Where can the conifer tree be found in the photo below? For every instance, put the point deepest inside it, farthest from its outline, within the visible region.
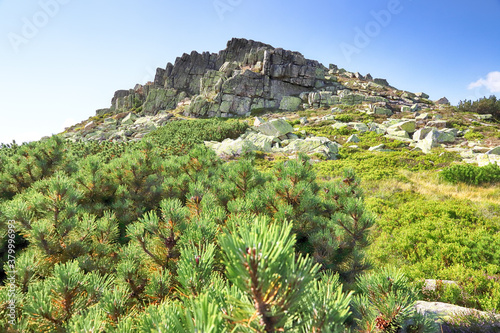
(261, 263)
(385, 303)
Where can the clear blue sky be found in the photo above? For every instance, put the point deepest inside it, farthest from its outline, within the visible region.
(61, 60)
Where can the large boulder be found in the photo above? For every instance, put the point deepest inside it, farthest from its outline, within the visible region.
(408, 126)
(422, 95)
(443, 101)
(437, 123)
(129, 119)
(430, 141)
(290, 103)
(160, 99)
(444, 312)
(494, 151)
(382, 111)
(263, 142)
(313, 145)
(278, 127)
(231, 147)
(421, 133)
(353, 138)
(360, 127)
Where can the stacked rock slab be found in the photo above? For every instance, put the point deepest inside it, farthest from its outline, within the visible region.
(246, 76)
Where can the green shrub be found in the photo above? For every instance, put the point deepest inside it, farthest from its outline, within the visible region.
(344, 118)
(382, 165)
(385, 303)
(483, 105)
(471, 174)
(448, 240)
(179, 137)
(473, 135)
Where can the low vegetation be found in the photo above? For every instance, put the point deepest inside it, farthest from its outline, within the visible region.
(162, 235)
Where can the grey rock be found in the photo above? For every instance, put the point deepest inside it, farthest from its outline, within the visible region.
(380, 147)
(484, 116)
(339, 125)
(445, 311)
(422, 116)
(422, 95)
(129, 119)
(361, 127)
(231, 147)
(258, 121)
(382, 82)
(485, 159)
(443, 101)
(437, 123)
(278, 127)
(430, 141)
(313, 145)
(263, 142)
(383, 111)
(290, 103)
(396, 133)
(353, 138)
(407, 126)
(494, 151)
(421, 133)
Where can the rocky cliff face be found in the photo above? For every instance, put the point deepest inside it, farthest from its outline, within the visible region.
(245, 77)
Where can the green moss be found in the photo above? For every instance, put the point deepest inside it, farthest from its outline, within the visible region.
(473, 135)
(382, 165)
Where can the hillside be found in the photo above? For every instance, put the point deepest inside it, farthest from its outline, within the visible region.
(251, 78)
(255, 190)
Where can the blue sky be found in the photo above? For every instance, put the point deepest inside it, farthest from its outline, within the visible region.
(61, 60)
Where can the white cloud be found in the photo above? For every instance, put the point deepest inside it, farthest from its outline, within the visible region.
(491, 82)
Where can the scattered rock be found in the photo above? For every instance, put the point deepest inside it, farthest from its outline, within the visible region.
(353, 138)
(382, 82)
(290, 103)
(444, 312)
(430, 284)
(494, 151)
(231, 147)
(360, 127)
(380, 147)
(423, 116)
(437, 123)
(129, 119)
(276, 127)
(484, 116)
(382, 111)
(485, 159)
(443, 101)
(422, 95)
(258, 121)
(408, 126)
(421, 133)
(313, 145)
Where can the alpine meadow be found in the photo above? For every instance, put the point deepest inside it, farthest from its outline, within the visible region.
(256, 190)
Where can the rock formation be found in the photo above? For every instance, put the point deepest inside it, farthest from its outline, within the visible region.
(245, 77)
